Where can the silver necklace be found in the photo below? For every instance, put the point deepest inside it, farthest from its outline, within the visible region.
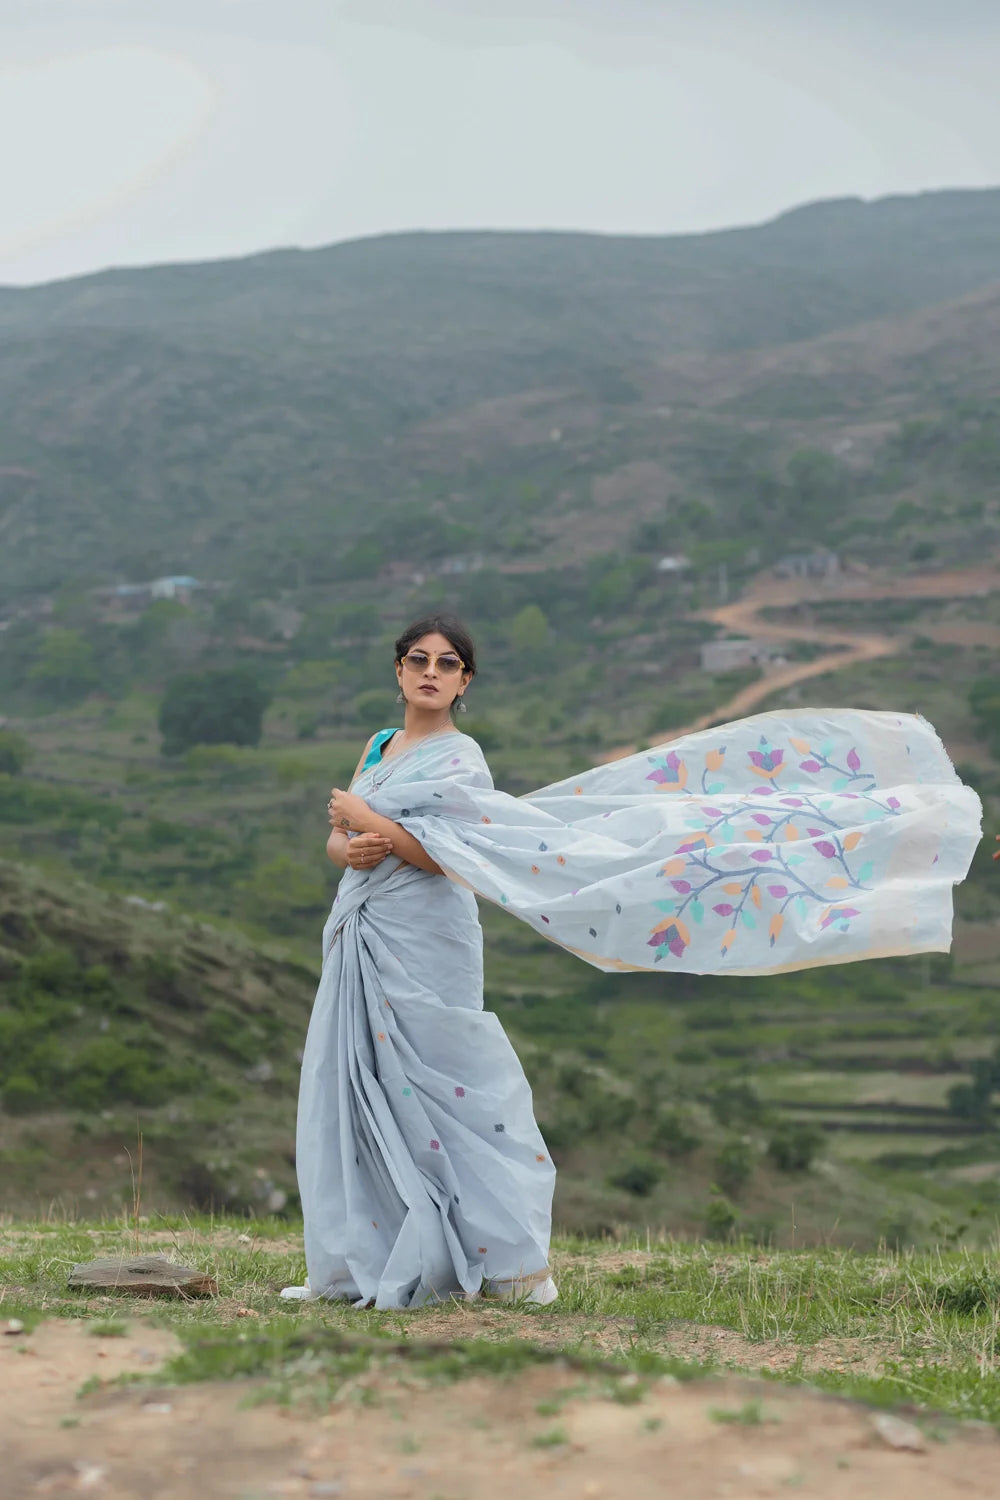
(378, 781)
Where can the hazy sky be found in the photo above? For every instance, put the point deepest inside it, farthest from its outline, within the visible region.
(137, 131)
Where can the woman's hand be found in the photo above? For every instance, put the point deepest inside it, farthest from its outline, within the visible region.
(347, 811)
(367, 850)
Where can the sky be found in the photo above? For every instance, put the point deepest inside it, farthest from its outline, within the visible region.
(142, 131)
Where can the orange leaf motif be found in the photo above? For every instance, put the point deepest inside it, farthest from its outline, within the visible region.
(802, 746)
(777, 923)
(852, 840)
(837, 882)
(755, 896)
(729, 939)
(674, 867)
(754, 835)
(791, 833)
(733, 888)
(714, 760)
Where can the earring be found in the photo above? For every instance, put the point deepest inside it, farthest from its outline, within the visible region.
(461, 707)
(399, 697)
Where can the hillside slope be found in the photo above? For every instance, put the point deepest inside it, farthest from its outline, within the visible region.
(179, 418)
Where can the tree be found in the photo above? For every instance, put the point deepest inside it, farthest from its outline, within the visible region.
(223, 707)
(529, 629)
(14, 752)
(65, 667)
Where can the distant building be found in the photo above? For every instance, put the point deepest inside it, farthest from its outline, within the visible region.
(819, 564)
(453, 565)
(179, 587)
(134, 597)
(676, 563)
(729, 655)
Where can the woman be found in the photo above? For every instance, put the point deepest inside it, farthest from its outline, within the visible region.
(749, 848)
(421, 1169)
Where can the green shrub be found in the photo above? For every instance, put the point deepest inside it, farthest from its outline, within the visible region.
(674, 1134)
(21, 1095)
(231, 1033)
(14, 752)
(639, 1175)
(734, 1163)
(736, 1102)
(720, 1218)
(793, 1147)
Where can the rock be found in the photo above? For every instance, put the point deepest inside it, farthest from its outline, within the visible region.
(143, 1273)
(13, 1325)
(899, 1434)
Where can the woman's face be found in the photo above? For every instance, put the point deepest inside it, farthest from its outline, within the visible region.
(424, 675)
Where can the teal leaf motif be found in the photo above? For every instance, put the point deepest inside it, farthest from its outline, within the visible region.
(795, 859)
(840, 783)
(866, 872)
(667, 906)
(800, 905)
(826, 749)
(749, 920)
(726, 833)
(717, 786)
(697, 911)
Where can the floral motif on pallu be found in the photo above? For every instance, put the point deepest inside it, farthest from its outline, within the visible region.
(761, 888)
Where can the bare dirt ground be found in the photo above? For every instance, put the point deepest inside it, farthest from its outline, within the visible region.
(481, 1439)
(847, 648)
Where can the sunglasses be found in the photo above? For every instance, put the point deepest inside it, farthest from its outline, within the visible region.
(446, 662)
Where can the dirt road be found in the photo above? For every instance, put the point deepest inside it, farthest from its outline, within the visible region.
(846, 648)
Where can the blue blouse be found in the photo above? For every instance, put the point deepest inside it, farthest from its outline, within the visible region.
(378, 745)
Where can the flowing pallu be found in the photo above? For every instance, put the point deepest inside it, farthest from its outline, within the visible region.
(764, 845)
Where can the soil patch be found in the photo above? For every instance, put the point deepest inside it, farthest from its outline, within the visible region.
(536, 1435)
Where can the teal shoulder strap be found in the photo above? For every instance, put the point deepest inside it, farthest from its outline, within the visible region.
(375, 753)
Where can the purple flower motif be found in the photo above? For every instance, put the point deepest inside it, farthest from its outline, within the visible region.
(815, 833)
(766, 762)
(809, 765)
(544, 919)
(894, 803)
(459, 1092)
(791, 801)
(435, 1145)
(762, 791)
(683, 886)
(762, 819)
(712, 812)
(723, 909)
(854, 760)
(670, 772)
(761, 856)
(828, 850)
(777, 891)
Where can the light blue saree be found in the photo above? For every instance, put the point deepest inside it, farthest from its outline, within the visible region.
(763, 845)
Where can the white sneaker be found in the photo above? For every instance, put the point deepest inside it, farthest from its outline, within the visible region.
(297, 1293)
(544, 1293)
(539, 1293)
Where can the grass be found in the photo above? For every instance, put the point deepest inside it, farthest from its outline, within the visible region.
(890, 1328)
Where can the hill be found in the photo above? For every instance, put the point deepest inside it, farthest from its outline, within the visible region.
(253, 419)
